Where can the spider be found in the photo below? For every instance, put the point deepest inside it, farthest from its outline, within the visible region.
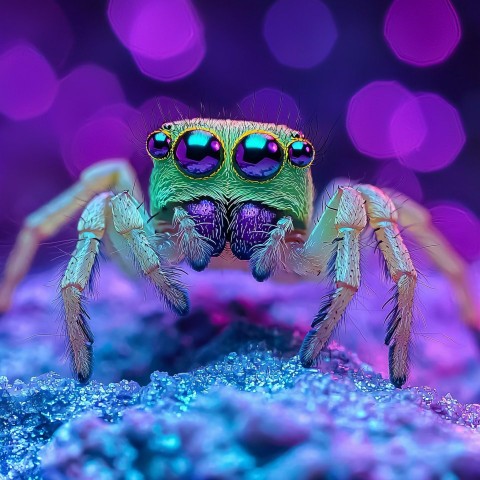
(246, 187)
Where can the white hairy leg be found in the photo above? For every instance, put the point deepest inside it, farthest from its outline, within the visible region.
(383, 218)
(129, 223)
(419, 223)
(349, 220)
(91, 228)
(417, 220)
(123, 211)
(116, 175)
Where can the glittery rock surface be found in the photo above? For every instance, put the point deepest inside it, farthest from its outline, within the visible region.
(220, 394)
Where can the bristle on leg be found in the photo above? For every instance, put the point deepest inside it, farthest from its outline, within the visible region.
(196, 248)
(268, 256)
(324, 323)
(80, 337)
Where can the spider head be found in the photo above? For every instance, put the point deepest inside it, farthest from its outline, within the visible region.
(231, 161)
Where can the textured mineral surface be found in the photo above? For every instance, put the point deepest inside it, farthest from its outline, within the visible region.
(228, 397)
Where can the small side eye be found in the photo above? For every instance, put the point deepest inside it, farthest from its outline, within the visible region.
(158, 144)
(301, 153)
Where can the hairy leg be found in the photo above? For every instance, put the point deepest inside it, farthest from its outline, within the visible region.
(201, 232)
(91, 229)
(383, 219)
(129, 223)
(267, 256)
(349, 221)
(419, 223)
(48, 220)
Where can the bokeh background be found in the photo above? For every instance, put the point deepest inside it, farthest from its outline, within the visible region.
(389, 91)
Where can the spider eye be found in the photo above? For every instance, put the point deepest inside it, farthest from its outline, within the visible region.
(301, 153)
(258, 156)
(198, 153)
(158, 144)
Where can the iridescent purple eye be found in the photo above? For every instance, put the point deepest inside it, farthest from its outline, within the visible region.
(301, 153)
(198, 153)
(158, 144)
(258, 156)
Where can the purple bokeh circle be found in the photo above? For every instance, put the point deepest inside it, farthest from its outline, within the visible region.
(30, 167)
(165, 38)
(83, 92)
(422, 32)
(460, 226)
(394, 176)
(173, 68)
(270, 105)
(28, 84)
(101, 138)
(444, 137)
(408, 128)
(43, 24)
(371, 112)
(300, 35)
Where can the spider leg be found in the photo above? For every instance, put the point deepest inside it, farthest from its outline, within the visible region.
(268, 256)
(114, 175)
(129, 223)
(444, 257)
(194, 247)
(345, 225)
(91, 228)
(383, 219)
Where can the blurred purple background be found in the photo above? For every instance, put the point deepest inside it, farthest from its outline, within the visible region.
(394, 86)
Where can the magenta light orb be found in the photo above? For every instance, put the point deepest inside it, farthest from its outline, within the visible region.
(407, 128)
(28, 84)
(165, 38)
(300, 34)
(173, 68)
(460, 226)
(394, 176)
(444, 137)
(102, 138)
(30, 168)
(82, 93)
(422, 32)
(270, 105)
(369, 118)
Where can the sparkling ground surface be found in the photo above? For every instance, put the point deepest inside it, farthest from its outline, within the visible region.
(235, 402)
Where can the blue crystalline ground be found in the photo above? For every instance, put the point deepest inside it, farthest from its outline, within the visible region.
(228, 397)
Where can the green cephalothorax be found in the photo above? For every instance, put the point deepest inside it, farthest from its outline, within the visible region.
(231, 162)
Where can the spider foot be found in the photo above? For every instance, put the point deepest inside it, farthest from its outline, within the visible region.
(79, 334)
(310, 349)
(172, 291)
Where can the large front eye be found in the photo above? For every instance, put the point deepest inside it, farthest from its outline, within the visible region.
(258, 156)
(158, 144)
(300, 153)
(198, 153)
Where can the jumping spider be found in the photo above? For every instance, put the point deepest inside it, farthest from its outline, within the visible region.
(238, 185)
